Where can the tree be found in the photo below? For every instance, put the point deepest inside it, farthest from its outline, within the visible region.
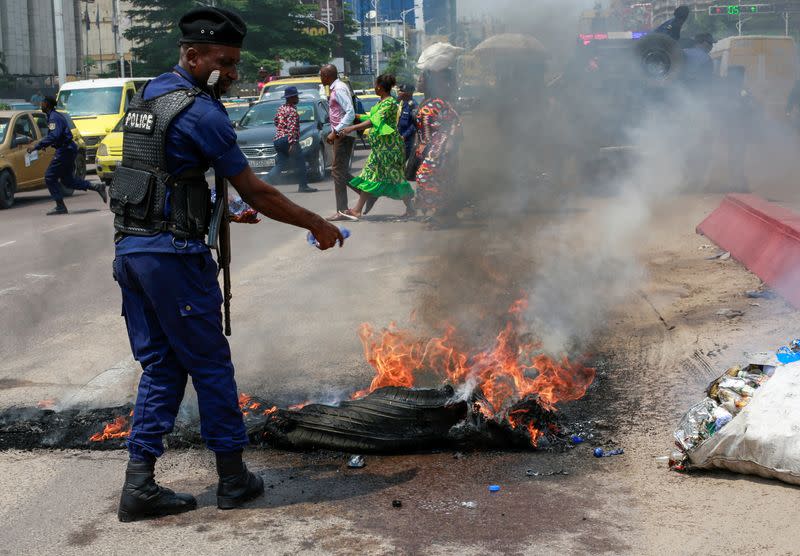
(400, 66)
(276, 29)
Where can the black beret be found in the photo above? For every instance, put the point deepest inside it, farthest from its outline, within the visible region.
(212, 26)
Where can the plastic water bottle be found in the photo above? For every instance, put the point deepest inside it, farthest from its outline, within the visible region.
(312, 241)
(600, 453)
(787, 355)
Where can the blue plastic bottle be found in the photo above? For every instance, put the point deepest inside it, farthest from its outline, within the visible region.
(312, 241)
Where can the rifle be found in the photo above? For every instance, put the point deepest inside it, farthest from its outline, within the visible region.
(219, 232)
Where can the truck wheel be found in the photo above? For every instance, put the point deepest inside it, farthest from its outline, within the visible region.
(660, 57)
(7, 189)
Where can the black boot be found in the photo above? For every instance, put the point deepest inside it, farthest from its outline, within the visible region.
(61, 208)
(100, 188)
(142, 497)
(237, 485)
(307, 189)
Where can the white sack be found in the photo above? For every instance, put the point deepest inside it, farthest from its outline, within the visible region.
(764, 438)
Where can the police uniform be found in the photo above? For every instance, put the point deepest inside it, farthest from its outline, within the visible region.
(174, 131)
(61, 171)
(407, 124)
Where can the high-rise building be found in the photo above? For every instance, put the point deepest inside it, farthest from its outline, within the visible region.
(388, 10)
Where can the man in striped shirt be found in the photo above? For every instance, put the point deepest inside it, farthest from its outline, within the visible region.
(287, 142)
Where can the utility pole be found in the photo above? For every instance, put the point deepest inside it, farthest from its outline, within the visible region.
(61, 54)
(115, 28)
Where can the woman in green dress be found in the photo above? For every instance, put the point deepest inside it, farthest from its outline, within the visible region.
(383, 173)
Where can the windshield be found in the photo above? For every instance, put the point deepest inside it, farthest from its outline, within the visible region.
(276, 91)
(90, 102)
(264, 113)
(235, 113)
(3, 128)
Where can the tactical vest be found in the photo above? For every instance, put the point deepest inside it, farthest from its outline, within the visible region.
(141, 184)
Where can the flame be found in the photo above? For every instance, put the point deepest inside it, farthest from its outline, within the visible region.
(118, 428)
(511, 369)
(271, 410)
(298, 406)
(46, 404)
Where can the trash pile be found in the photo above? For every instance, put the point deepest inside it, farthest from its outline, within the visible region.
(726, 397)
(748, 421)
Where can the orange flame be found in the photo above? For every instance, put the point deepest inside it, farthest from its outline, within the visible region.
(118, 428)
(298, 406)
(512, 369)
(46, 404)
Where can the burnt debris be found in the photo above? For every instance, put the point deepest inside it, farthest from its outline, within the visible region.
(389, 420)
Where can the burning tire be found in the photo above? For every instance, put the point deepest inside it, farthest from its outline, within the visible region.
(389, 420)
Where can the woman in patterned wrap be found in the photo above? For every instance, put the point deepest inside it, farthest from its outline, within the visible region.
(439, 128)
(383, 173)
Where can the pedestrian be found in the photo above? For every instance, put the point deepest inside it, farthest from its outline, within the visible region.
(407, 125)
(61, 172)
(37, 97)
(342, 114)
(263, 78)
(672, 27)
(287, 142)
(698, 67)
(438, 133)
(383, 173)
(174, 130)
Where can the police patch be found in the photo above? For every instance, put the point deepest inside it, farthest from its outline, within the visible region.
(139, 121)
(51, 126)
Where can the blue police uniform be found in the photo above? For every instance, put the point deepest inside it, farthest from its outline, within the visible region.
(407, 125)
(62, 167)
(671, 28)
(171, 298)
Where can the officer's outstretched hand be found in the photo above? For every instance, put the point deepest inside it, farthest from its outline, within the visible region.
(327, 235)
(29, 150)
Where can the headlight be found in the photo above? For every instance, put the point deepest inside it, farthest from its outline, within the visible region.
(305, 143)
(102, 150)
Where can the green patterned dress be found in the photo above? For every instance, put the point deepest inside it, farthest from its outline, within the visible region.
(383, 173)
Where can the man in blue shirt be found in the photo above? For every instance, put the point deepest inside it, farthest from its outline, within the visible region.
(698, 68)
(175, 129)
(407, 125)
(61, 171)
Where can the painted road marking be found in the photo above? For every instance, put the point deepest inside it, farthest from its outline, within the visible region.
(6, 244)
(58, 228)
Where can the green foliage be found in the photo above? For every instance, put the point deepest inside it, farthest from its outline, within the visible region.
(275, 30)
(400, 66)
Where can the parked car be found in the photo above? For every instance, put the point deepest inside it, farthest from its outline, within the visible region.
(109, 153)
(18, 130)
(17, 104)
(237, 106)
(256, 132)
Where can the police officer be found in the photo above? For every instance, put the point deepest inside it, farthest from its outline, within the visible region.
(407, 124)
(61, 171)
(175, 129)
(672, 27)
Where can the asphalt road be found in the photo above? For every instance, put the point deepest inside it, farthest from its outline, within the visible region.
(295, 309)
(296, 312)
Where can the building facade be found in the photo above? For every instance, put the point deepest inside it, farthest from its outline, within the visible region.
(92, 37)
(27, 37)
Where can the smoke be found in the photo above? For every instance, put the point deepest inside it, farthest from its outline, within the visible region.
(562, 215)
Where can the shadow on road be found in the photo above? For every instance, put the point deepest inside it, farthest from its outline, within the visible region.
(315, 483)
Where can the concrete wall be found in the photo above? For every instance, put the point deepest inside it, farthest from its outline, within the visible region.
(16, 37)
(27, 36)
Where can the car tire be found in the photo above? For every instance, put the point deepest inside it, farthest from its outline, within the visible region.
(80, 165)
(7, 190)
(660, 58)
(318, 171)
